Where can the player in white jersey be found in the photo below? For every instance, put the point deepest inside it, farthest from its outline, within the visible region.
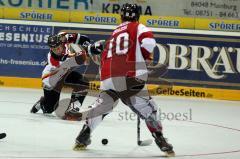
(123, 76)
(59, 71)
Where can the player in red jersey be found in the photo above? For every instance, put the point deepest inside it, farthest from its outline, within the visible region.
(59, 71)
(123, 76)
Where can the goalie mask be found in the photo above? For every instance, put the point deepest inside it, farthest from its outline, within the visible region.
(54, 41)
(130, 12)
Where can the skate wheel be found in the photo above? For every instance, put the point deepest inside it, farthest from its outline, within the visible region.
(170, 154)
(79, 147)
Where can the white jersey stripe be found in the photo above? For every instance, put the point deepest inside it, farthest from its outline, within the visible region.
(140, 67)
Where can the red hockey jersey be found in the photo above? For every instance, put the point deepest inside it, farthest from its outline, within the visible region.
(126, 51)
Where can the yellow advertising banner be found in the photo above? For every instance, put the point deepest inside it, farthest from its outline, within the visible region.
(20, 82)
(1, 13)
(217, 24)
(36, 14)
(168, 22)
(114, 19)
(184, 91)
(196, 92)
(154, 90)
(94, 18)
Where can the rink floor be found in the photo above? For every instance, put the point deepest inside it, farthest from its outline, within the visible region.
(205, 129)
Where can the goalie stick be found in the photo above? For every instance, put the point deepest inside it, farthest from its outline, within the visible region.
(139, 141)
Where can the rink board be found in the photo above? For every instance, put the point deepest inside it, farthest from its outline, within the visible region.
(197, 60)
(177, 91)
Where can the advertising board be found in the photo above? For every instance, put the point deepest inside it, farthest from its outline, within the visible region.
(200, 63)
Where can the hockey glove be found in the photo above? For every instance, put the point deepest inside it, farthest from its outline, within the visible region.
(96, 48)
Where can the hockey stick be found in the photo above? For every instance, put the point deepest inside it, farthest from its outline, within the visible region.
(139, 141)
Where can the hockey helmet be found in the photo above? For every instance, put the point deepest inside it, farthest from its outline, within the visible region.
(54, 41)
(130, 12)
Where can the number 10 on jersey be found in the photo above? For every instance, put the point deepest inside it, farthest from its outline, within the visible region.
(118, 45)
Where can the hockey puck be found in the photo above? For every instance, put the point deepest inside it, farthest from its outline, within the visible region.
(104, 141)
(2, 135)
